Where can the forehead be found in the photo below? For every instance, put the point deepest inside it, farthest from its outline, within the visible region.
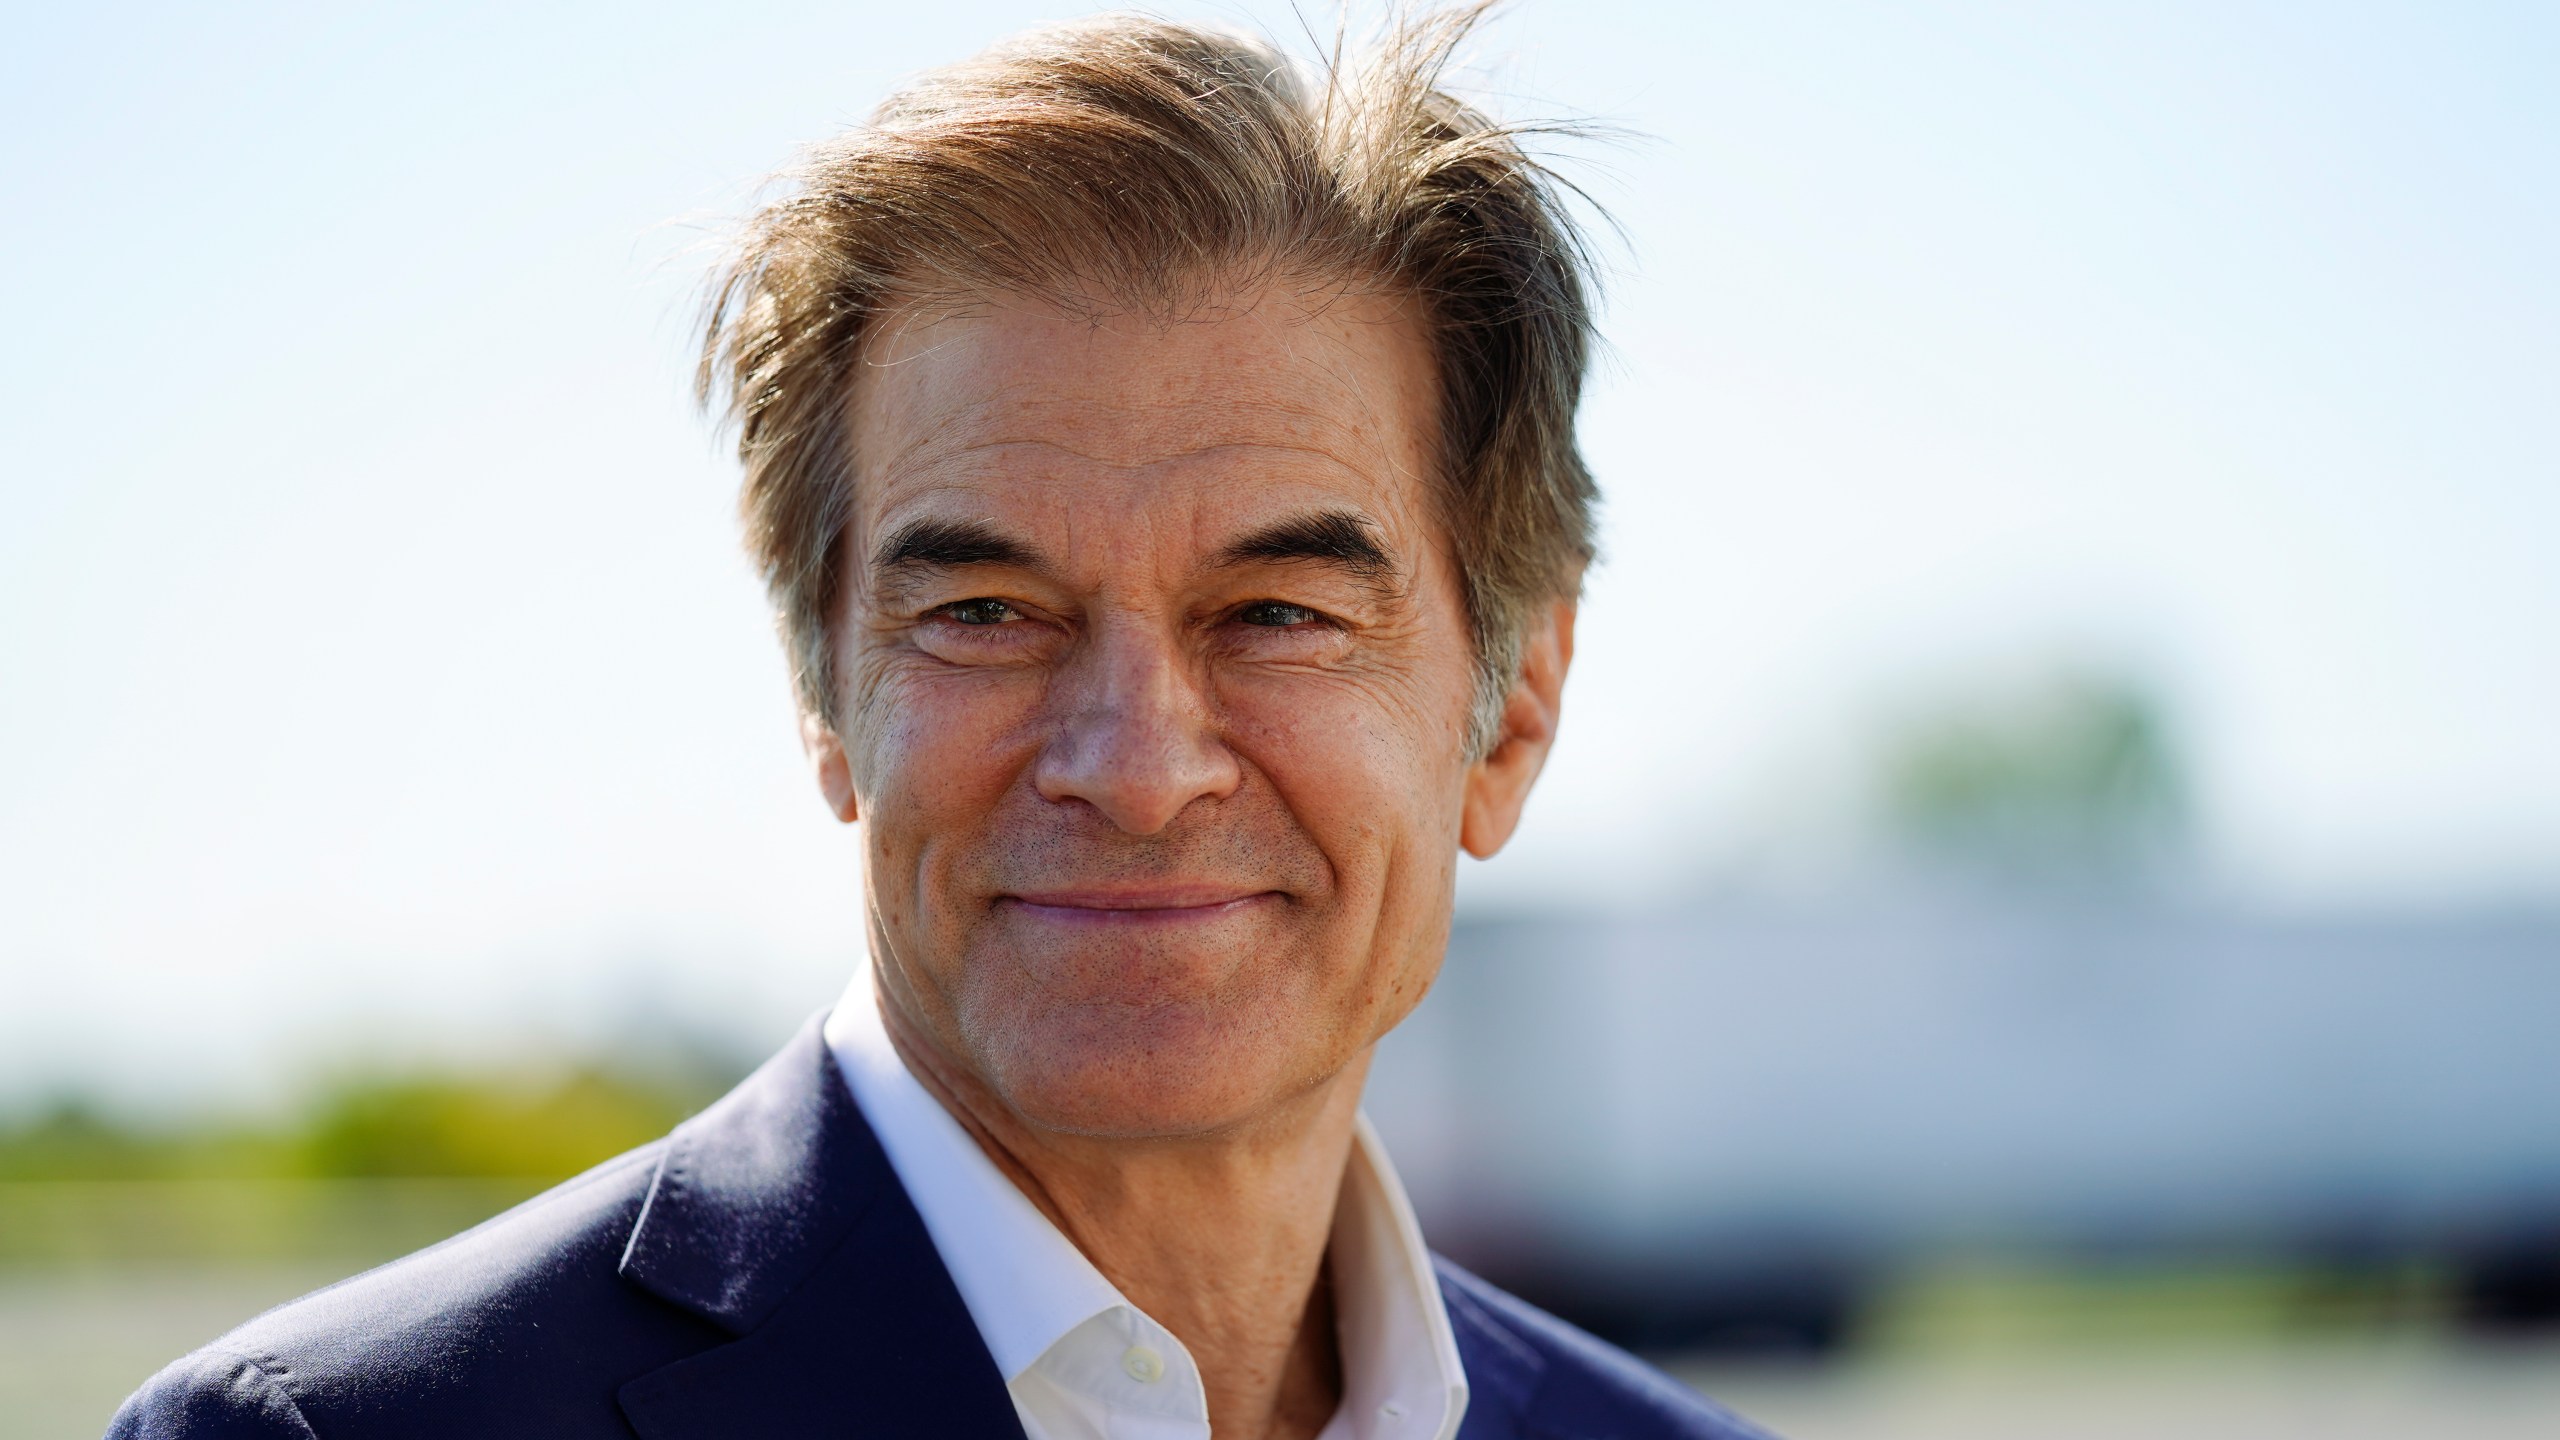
(1011, 406)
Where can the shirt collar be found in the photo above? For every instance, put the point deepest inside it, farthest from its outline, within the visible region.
(1027, 1286)
(1401, 1377)
(1025, 1283)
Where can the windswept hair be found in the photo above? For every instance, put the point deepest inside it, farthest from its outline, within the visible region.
(1130, 163)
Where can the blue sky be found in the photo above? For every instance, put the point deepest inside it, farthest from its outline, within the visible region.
(381, 668)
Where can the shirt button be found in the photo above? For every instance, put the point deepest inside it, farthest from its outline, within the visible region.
(1144, 1365)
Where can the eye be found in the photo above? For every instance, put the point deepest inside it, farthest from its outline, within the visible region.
(978, 612)
(1277, 614)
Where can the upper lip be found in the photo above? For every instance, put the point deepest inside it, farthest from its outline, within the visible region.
(1138, 897)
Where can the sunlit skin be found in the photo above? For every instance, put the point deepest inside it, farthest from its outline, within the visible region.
(1153, 682)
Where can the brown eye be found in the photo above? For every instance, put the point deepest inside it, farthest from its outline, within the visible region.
(979, 612)
(1277, 614)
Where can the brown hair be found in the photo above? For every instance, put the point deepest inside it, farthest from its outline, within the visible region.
(1126, 161)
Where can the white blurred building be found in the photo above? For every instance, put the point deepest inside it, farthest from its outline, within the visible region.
(1672, 1120)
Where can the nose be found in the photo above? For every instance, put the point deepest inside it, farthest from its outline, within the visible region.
(1134, 737)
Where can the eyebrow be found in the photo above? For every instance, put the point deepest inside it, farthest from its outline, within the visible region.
(1339, 538)
(1328, 537)
(948, 545)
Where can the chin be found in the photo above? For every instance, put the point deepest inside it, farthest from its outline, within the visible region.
(1163, 1071)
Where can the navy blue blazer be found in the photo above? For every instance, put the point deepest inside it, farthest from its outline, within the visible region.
(758, 1273)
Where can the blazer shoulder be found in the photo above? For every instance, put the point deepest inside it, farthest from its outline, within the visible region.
(212, 1394)
(1584, 1386)
(476, 1319)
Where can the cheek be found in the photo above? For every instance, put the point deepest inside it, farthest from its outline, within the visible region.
(1373, 767)
(1369, 767)
(932, 752)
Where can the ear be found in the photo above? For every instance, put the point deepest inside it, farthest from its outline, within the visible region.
(1498, 784)
(826, 756)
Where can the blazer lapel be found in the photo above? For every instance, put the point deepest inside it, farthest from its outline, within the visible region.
(776, 1214)
(1503, 1370)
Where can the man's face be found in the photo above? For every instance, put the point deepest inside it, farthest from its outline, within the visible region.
(1154, 676)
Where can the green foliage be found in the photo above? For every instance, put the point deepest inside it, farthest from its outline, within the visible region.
(374, 1165)
(72, 1141)
(1954, 1304)
(367, 1127)
(2073, 779)
(452, 1126)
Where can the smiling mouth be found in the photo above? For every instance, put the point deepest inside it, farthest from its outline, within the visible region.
(1169, 905)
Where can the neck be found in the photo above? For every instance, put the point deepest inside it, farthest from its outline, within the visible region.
(1220, 1238)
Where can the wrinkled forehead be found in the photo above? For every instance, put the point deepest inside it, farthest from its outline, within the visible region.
(1012, 402)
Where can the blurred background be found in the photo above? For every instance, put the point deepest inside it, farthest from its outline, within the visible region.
(2045, 919)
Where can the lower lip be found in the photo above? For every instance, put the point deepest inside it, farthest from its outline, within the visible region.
(1120, 916)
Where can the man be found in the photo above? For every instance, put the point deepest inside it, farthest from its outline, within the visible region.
(1163, 466)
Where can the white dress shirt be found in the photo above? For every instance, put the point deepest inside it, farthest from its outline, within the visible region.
(1081, 1362)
